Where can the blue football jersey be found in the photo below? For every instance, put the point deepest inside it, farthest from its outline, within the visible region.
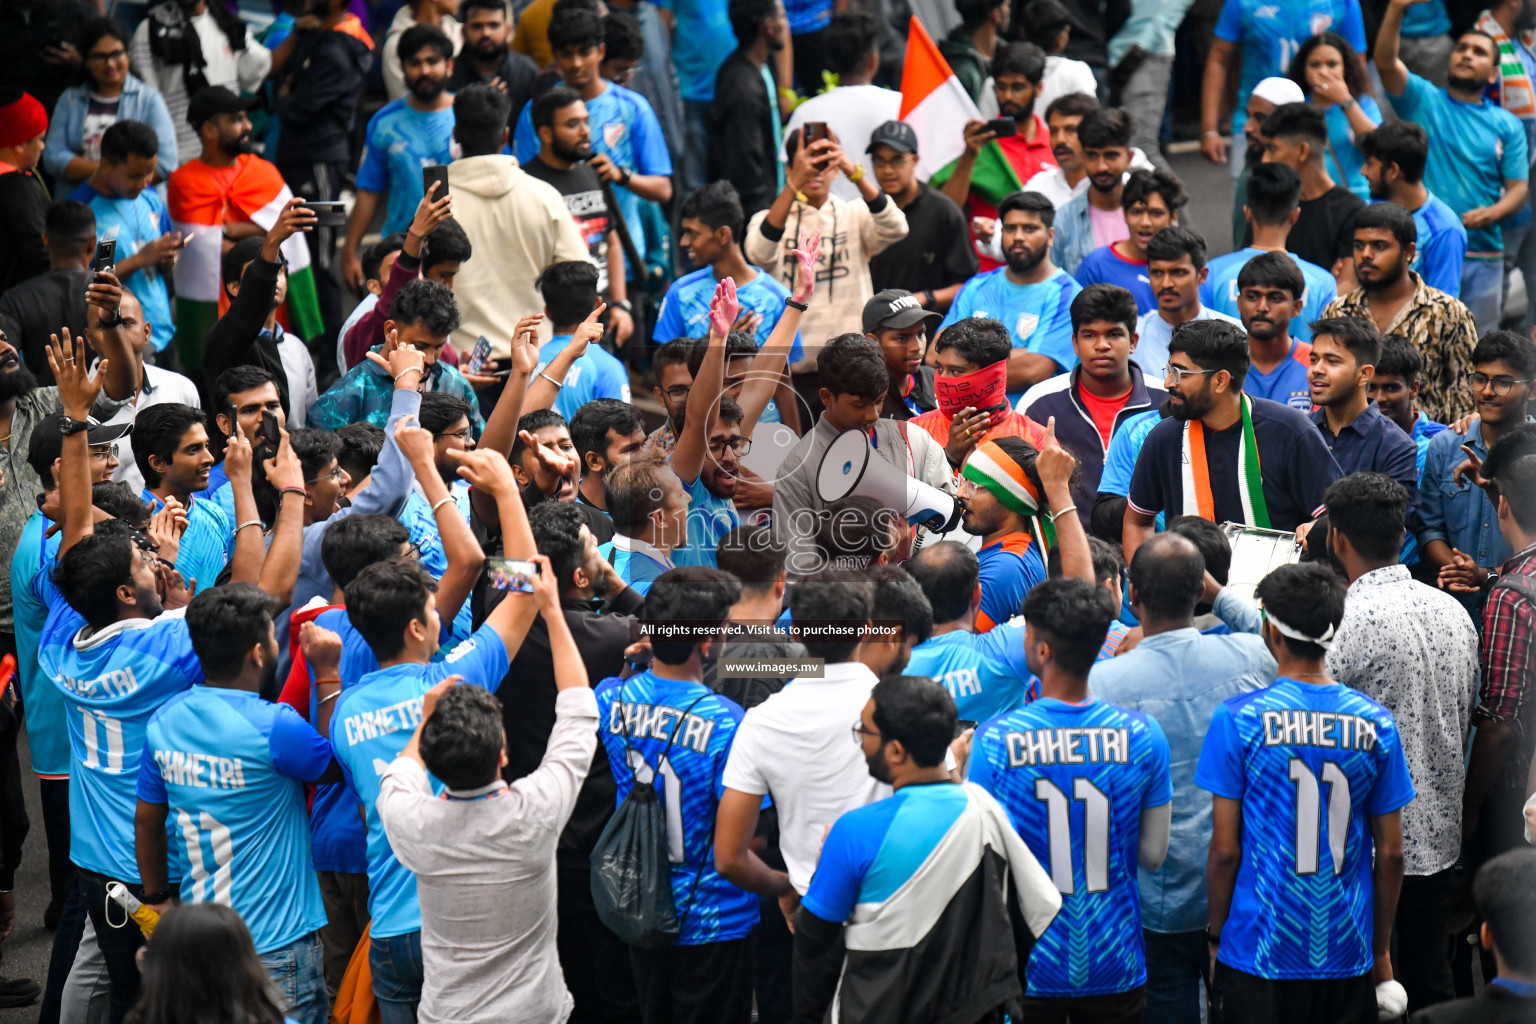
(1038, 316)
(1311, 765)
(648, 710)
(371, 724)
(337, 836)
(984, 672)
(637, 566)
(710, 518)
(47, 735)
(113, 681)
(232, 769)
(1074, 779)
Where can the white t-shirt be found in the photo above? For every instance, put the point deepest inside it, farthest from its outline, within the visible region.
(299, 368)
(1064, 76)
(161, 387)
(852, 112)
(798, 746)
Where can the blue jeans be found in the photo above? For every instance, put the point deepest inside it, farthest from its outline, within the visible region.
(1176, 961)
(397, 975)
(298, 971)
(1482, 292)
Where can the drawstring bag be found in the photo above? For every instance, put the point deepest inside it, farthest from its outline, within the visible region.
(631, 873)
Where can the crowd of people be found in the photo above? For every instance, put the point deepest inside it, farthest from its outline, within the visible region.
(597, 510)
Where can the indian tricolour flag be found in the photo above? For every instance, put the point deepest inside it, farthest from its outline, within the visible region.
(937, 107)
(202, 199)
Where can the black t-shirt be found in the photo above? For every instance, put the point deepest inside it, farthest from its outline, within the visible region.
(1294, 465)
(517, 73)
(916, 401)
(936, 253)
(583, 194)
(40, 306)
(1325, 228)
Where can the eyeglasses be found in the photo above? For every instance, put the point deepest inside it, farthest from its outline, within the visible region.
(677, 394)
(881, 163)
(104, 451)
(859, 732)
(103, 58)
(1502, 386)
(336, 475)
(1178, 373)
(739, 446)
(412, 551)
(462, 435)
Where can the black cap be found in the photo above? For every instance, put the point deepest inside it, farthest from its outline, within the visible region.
(212, 101)
(893, 309)
(896, 134)
(47, 444)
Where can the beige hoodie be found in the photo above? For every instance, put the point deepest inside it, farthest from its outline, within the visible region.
(518, 225)
(850, 236)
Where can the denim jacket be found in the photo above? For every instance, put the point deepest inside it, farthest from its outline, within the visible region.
(1074, 234)
(139, 102)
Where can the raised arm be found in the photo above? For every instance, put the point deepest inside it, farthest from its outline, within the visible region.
(465, 558)
(390, 482)
(489, 471)
(250, 547)
(285, 554)
(543, 389)
(1394, 73)
(768, 367)
(77, 393)
(708, 385)
(232, 337)
(122, 367)
(1055, 465)
(501, 425)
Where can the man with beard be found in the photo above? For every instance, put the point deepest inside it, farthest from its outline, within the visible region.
(1176, 267)
(1095, 218)
(1271, 208)
(1512, 26)
(109, 620)
(562, 162)
(1090, 965)
(1267, 95)
(1296, 135)
(1245, 460)
(407, 134)
(1395, 155)
(1480, 164)
(1269, 298)
(745, 133)
(1017, 69)
(1030, 294)
(1398, 301)
(487, 56)
(605, 432)
(261, 841)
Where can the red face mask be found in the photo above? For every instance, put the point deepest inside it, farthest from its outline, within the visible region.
(985, 389)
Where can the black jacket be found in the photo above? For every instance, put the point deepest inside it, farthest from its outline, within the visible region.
(325, 76)
(741, 148)
(238, 337)
(40, 306)
(1495, 1004)
(24, 204)
(527, 696)
(517, 73)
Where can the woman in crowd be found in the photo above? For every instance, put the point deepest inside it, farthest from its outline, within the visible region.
(200, 966)
(109, 93)
(1332, 75)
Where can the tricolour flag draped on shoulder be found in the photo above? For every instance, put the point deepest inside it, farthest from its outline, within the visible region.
(202, 198)
(937, 107)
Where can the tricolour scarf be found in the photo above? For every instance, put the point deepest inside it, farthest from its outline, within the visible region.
(1198, 500)
(991, 467)
(1515, 93)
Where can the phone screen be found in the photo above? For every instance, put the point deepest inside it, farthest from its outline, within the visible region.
(1003, 127)
(511, 574)
(479, 356)
(106, 255)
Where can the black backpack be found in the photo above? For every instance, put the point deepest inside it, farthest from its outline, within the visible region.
(631, 875)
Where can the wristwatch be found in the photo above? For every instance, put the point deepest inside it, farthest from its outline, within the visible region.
(68, 426)
(1214, 940)
(623, 304)
(156, 898)
(1491, 577)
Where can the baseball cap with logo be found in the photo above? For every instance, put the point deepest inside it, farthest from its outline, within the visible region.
(893, 309)
(896, 134)
(47, 443)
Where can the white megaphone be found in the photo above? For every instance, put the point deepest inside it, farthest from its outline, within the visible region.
(851, 466)
(771, 443)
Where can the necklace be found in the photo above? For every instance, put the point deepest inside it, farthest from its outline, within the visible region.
(1309, 675)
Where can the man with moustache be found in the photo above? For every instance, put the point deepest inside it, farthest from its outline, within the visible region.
(1399, 302)
(1255, 462)
(1177, 270)
(1270, 292)
(1267, 95)
(1095, 219)
(487, 55)
(1395, 155)
(406, 135)
(1030, 295)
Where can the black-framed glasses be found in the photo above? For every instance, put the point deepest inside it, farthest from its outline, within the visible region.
(678, 393)
(462, 435)
(1502, 386)
(859, 732)
(739, 446)
(1178, 373)
(103, 58)
(412, 551)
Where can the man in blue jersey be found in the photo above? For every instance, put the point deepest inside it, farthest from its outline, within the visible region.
(1270, 298)
(410, 133)
(1480, 163)
(1030, 294)
(231, 768)
(1273, 202)
(631, 153)
(117, 655)
(984, 673)
(1395, 155)
(1066, 749)
(394, 607)
(665, 728)
(172, 452)
(1308, 781)
(1176, 267)
(1264, 36)
(1179, 676)
(925, 905)
(570, 299)
(241, 396)
(1151, 201)
(1115, 482)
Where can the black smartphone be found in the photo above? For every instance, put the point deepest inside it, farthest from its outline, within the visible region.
(815, 131)
(1003, 127)
(327, 214)
(439, 174)
(106, 255)
(268, 438)
(961, 725)
(512, 574)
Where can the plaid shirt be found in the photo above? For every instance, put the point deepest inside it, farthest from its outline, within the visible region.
(1441, 328)
(1509, 656)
